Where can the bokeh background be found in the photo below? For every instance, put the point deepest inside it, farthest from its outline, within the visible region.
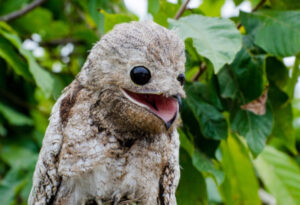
(240, 136)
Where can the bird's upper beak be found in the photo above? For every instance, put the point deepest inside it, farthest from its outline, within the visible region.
(166, 108)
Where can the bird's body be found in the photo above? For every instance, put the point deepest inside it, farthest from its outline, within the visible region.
(112, 141)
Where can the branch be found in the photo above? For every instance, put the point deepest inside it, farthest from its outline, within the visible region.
(21, 12)
(181, 9)
(260, 4)
(201, 70)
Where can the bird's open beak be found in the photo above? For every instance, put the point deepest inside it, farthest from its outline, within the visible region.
(166, 108)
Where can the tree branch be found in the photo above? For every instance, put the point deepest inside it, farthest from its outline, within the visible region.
(201, 70)
(260, 4)
(181, 9)
(16, 14)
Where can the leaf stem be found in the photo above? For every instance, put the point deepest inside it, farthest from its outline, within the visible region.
(16, 14)
(181, 9)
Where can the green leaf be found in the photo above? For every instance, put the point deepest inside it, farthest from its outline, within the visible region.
(248, 72)
(18, 157)
(210, 120)
(3, 130)
(238, 2)
(202, 163)
(93, 7)
(213, 193)
(110, 20)
(212, 7)
(43, 22)
(185, 143)
(240, 185)
(42, 78)
(214, 38)
(255, 128)
(14, 117)
(283, 131)
(153, 6)
(191, 189)
(285, 4)
(280, 174)
(228, 85)
(277, 32)
(13, 182)
(8, 53)
(277, 73)
(166, 10)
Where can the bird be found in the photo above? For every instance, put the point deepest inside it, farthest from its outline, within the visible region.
(112, 136)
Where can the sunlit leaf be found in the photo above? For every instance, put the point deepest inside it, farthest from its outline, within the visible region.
(110, 20)
(166, 10)
(212, 7)
(240, 185)
(277, 32)
(153, 6)
(280, 174)
(214, 38)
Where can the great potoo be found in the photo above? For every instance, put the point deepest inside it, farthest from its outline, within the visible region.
(112, 136)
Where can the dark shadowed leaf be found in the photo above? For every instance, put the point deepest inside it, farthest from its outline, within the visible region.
(255, 128)
(228, 84)
(14, 117)
(191, 180)
(43, 79)
(201, 162)
(285, 4)
(8, 53)
(248, 71)
(211, 121)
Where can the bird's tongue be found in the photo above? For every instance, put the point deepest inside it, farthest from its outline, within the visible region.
(164, 107)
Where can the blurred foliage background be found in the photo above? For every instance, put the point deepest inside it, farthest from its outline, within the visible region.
(240, 136)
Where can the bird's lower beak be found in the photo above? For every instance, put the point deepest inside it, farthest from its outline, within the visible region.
(166, 108)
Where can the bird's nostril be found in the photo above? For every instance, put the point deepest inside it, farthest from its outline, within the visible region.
(181, 78)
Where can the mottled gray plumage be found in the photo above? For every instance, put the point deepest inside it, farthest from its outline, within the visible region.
(101, 145)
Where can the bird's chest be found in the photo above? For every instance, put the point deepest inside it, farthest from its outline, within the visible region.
(132, 174)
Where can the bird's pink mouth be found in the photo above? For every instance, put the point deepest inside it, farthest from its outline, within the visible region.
(165, 108)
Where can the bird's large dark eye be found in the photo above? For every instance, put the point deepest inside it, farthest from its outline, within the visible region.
(181, 78)
(140, 75)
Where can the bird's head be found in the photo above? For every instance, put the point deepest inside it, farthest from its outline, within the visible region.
(141, 64)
